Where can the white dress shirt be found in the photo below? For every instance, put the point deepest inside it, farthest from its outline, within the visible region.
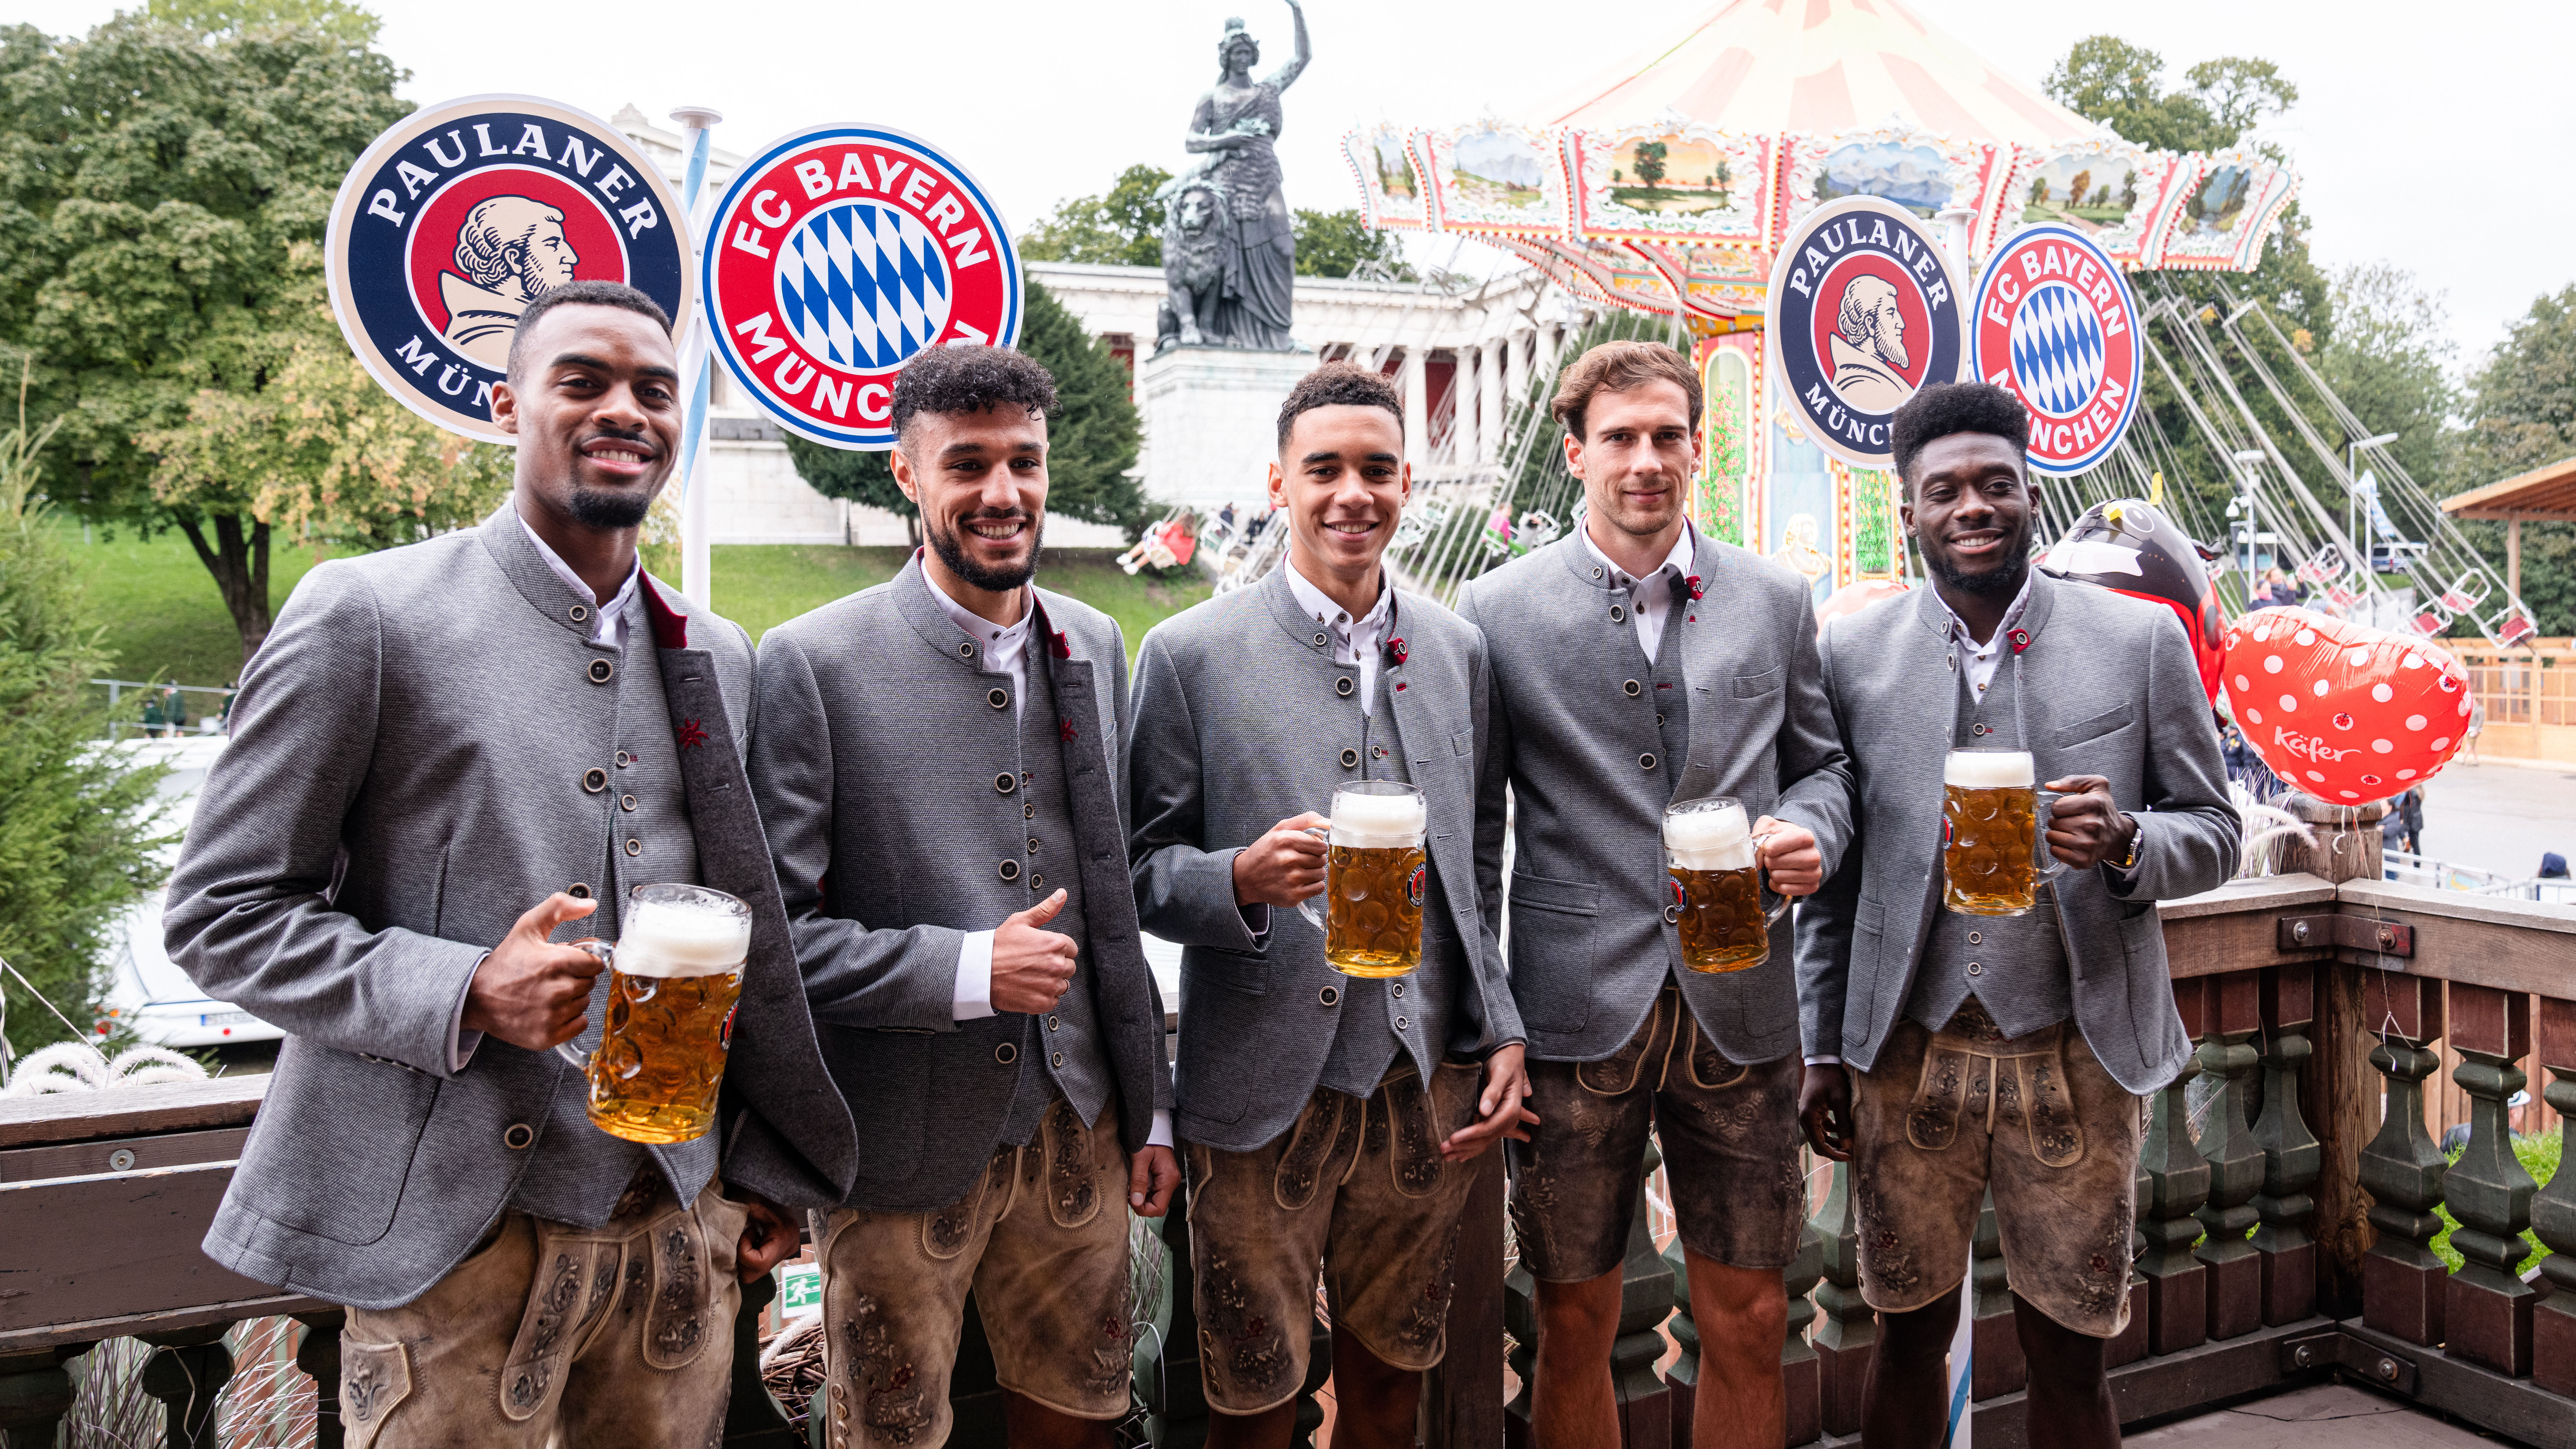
(1006, 652)
(1650, 599)
(1360, 642)
(607, 626)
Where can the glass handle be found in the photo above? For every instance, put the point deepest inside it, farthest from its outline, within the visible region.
(1312, 907)
(1774, 904)
(572, 1051)
(2044, 866)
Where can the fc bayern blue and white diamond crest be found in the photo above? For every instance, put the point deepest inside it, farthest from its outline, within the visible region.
(838, 254)
(2057, 326)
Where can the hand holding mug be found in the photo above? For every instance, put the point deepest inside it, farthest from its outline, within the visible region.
(2085, 826)
(532, 992)
(1285, 866)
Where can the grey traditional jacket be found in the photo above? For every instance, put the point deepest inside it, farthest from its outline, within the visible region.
(1242, 720)
(891, 783)
(1595, 740)
(2107, 687)
(428, 745)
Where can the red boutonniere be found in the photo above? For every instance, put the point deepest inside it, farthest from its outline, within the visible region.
(1065, 731)
(1395, 650)
(692, 734)
(1063, 650)
(1692, 584)
(2020, 639)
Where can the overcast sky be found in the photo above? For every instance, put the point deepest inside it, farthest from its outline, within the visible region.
(2414, 127)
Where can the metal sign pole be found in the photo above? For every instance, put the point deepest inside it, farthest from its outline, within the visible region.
(696, 556)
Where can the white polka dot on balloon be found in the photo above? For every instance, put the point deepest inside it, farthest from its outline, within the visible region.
(2382, 693)
(2412, 661)
(2349, 794)
(2415, 721)
(2316, 775)
(2254, 714)
(2289, 704)
(2243, 684)
(2304, 637)
(2382, 746)
(2406, 774)
(2271, 663)
(2321, 689)
(2442, 742)
(2357, 658)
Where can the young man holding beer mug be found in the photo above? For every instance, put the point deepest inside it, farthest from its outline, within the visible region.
(447, 760)
(1989, 963)
(1660, 722)
(937, 763)
(1316, 735)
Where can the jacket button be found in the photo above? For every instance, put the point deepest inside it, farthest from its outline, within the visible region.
(1596, 571)
(1055, 1059)
(517, 1136)
(1004, 783)
(1024, 777)
(634, 846)
(1618, 615)
(601, 671)
(624, 759)
(1645, 762)
(1052, 1023)
(1402, 1024)
(1631, 689)
(1028, 811)
(1343, 686)
(625, 802)
(1980, 729)
(578, 891)
(1006, 1054)
(1975, 969)
(1330, 996)
(580, 613)
(1672, 915)
(1037, 881)
(1350, 759)
(1659, 719)
(1033, 845)
(1976, 938)
(965, 648)
(1321, 639)
(1010, 870)
(1399, 988)
(997, 698)
(594, 779)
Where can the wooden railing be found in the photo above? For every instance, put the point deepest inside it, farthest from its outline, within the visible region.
(2285, 1225)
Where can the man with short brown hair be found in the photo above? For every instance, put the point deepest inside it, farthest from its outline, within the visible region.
(1637, 663)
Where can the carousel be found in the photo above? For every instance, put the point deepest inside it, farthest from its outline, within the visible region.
(1662, 191)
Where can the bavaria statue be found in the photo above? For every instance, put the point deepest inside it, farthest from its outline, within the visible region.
(1229, 246)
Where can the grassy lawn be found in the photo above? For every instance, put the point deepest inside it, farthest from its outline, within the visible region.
(164, 619)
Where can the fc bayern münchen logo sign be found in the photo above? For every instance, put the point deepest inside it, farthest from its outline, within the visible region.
(841, 252)
(2057, 327)
(462, 214)
(1864, 313)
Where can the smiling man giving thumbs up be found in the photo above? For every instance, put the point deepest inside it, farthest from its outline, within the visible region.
(938, 765)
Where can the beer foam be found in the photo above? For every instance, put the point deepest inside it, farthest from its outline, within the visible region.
(670, 938)
(1987, 770)
(1378, 822)
(1709, 840)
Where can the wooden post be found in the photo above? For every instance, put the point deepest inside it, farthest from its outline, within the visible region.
(1850, 1329)
(2338, 1086)
(2290, 1152)
(36, 1392)
(2177, 1184)
(1176, 1411)
(317, 1352)
(1801, 1372)
(1462, 1398)
(753, 1419)
(2553, 1212)
(2232, 1005)
(186, 1372)
(1681, 1381)
(2487, 1311)
(2402, 1168)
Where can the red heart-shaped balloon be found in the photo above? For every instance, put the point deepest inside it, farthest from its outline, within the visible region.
(2345, 712)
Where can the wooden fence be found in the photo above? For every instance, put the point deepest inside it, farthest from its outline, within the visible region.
(2283, 1240)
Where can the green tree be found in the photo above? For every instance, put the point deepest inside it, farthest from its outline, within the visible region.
(1121, 227)
(2521, 415)
(1338, 243)
(1650, 162)
(156, 177)
(78, 835)
(2106, 78)
(1091, 445)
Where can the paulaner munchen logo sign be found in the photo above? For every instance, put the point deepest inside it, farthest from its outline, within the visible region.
(1864, 312)
(2056, 326)
(838, 254)
(458, 217)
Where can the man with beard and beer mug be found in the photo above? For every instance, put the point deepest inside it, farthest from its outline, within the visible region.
(1317, 734)
(937, 763)
(447, 761)
(1662, 730)
(2037, 769)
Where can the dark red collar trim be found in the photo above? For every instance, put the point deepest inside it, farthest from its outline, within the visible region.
(670, 629)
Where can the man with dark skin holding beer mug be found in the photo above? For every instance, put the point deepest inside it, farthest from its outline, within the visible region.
(448, 760)
(2000, 1014)
(938, 765)
(1330, 1090)
(1639, 665)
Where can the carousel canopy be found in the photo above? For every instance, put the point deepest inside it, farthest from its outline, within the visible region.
(1663, 184)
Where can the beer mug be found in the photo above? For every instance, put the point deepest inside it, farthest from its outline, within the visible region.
(1719, 900)
(1374, 877)
(674, 976)
(1994, 833)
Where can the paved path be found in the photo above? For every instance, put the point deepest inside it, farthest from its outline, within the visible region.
(2500, 817)
(2329, 1416)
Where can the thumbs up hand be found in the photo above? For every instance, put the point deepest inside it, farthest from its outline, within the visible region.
(1032, 965)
